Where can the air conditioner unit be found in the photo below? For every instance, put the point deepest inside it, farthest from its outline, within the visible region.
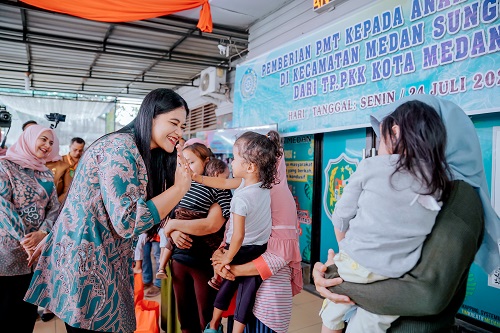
(211, 80)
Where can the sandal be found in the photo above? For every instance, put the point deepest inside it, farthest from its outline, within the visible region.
(211, 330)
(161, 274)
(214, 283)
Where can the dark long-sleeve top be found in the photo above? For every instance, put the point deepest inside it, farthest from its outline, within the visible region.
(429, 296)
(199, 198)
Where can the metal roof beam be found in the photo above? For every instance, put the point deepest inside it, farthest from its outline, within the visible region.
(219, 27)
(85, 78)
(104, 41)
(83, 70)
(169, 53)
(95, 46)
(237, 40)
(180, 40)
(24, 19)
(107, 35)
(139, 93)
(162, 59)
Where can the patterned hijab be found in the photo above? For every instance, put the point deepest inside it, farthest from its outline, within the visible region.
(463, 155)
(23, 151)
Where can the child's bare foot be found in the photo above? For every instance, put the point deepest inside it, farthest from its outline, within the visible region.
(161, 274)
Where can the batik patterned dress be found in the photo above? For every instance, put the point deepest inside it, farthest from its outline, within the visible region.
(28, 202)
(84, 274)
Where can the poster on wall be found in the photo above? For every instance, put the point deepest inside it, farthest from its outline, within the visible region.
(481, 298)
(299, 157)
(335, 77)
(341, 156)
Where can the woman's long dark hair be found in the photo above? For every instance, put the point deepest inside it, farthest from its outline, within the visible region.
(421, 145)
(160, 165)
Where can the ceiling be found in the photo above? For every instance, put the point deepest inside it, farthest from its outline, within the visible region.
(67, 54)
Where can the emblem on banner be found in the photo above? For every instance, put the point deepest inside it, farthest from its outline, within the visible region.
(248, 84)
(337, 174)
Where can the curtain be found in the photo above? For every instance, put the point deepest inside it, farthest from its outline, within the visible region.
(126, 10)
(83, 118)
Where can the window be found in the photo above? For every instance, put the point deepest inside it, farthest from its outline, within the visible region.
(201, 119)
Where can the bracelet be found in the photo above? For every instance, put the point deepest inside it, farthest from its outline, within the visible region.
(202, 176)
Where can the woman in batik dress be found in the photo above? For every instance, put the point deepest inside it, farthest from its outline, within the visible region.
(28, 209)
(125, 183)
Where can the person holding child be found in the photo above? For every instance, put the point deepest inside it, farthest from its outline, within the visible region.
(279, 267)
(254, 168)
(29, 209)
(428, 297)
(388, 208)
(191, 206)
(191, 267)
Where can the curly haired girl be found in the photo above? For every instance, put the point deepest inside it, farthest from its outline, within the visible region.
(254, 166)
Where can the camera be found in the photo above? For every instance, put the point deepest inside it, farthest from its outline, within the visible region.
(56, 117)
(5, 117)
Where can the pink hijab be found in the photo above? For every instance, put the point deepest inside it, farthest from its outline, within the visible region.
(23, 151)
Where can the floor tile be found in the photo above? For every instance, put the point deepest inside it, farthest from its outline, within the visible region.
(316, 328)
(305, 312)
(305, 297)
(305, 318)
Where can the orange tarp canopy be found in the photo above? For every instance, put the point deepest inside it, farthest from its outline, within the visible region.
(126, 10)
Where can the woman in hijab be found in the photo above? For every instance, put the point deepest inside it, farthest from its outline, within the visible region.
(29, 209)
(433, 291)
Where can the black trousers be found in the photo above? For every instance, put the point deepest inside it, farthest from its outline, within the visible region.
(16, 315)
(193, 295)
(246, 286)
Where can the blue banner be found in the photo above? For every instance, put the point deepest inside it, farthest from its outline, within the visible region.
(299, 157)
(342, 153)
(483, 291)
(336, 77)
